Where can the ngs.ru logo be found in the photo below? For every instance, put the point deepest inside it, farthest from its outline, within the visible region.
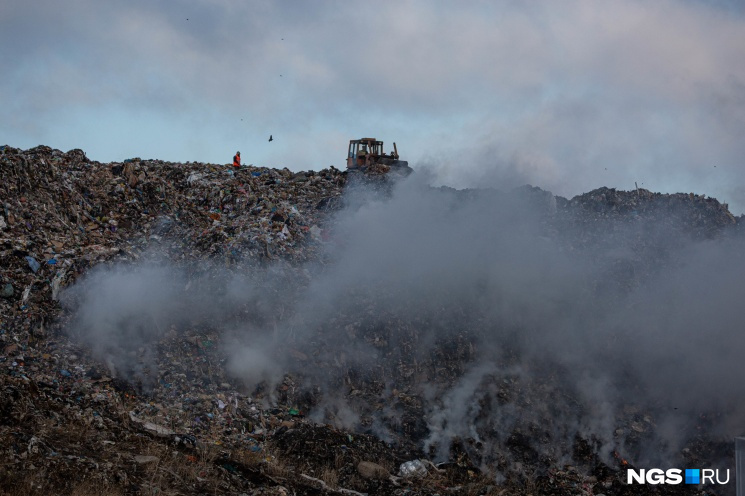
(675, 476)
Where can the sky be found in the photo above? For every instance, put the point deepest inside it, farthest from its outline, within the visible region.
(568, 96)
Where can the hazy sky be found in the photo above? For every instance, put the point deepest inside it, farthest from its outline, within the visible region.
(568, 96)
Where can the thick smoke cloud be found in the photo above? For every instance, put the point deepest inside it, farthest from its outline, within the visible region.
(509, 329)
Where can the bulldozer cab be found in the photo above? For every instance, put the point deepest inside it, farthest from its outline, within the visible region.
(363, 152)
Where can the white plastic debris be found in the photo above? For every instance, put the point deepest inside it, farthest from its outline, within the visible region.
(150, 427)
(194, 177)
(56, 283)
(412, 469)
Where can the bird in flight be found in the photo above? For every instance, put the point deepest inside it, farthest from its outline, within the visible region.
(270, 138)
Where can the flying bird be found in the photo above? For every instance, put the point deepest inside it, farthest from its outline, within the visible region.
(270, 138)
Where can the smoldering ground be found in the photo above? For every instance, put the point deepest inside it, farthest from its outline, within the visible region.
(497, 323)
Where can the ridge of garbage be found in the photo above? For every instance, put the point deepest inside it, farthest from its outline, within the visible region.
(69, 427)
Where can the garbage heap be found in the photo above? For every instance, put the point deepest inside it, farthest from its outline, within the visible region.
(70, 425)
(607, 210)
(63, 213)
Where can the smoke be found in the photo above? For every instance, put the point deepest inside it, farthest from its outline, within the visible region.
(121, 312)
(489, 322)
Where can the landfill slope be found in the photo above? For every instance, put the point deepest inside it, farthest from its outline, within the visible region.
(345, 396)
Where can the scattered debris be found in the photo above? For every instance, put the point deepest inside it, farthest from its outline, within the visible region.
(413, 468)
(370, 470)
(74, 424)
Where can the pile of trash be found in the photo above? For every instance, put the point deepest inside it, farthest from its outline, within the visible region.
(688, 216)
(62, 214)
(72, 423)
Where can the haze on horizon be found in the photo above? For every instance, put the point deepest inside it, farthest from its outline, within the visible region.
(566, 96)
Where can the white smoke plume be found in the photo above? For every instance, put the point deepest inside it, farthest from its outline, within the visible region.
(488, 320)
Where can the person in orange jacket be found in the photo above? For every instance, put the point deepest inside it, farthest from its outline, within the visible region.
(237, 160)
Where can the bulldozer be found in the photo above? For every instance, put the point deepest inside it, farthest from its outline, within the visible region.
(367, 152)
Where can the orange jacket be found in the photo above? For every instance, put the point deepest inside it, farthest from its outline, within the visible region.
(236, 161)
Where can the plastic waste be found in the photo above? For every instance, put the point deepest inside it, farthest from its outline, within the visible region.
(412, 469)
(33, 264)
(7, 291)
